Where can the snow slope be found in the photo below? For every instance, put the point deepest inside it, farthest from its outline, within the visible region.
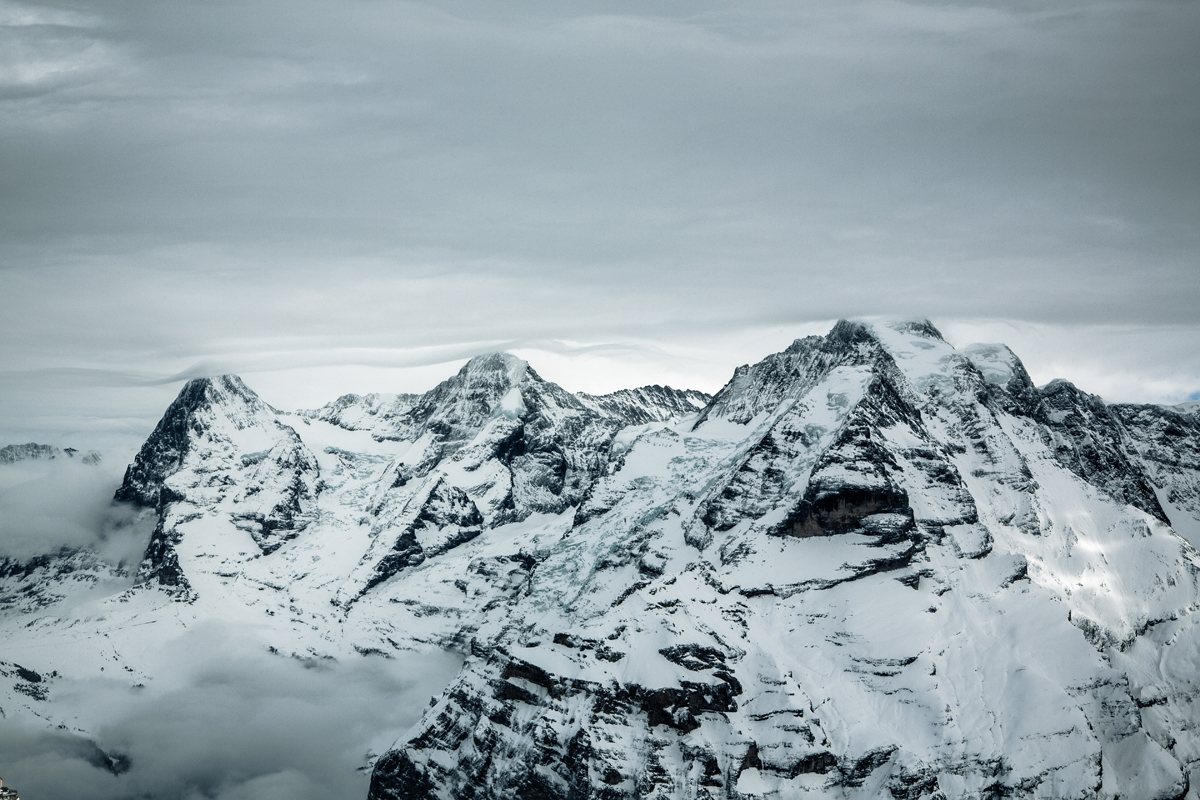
(871, 566)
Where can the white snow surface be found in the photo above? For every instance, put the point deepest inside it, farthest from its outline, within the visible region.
(991, 623)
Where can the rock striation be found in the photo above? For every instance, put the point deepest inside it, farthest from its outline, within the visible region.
(872, 566)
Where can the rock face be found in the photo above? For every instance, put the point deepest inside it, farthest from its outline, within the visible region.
(13, 453)
(871, 566)
(1167, 440)
(219, 445)
(647, 404)
(38, 582)
(492, 445)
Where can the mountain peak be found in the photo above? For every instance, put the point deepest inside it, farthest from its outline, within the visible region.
(219, 390)
(496, 363)
(758, 388)
(856, 331)
(1190, 407)
(849, 332)
(485, 378)
(11, 454)
(918, 326)
(201, 405)
(872, 333)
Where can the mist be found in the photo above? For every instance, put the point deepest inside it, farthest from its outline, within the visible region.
(225, 719)
(50, 504)
(223, 716)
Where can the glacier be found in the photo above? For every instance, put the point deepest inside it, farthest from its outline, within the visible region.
(871, 566)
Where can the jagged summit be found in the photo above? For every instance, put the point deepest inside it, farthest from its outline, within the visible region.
(647, 404)
(204, 408)
(496, 384)
(511, 366)
(227, 391)
(873, 565)
(487, 385)
(760, 388)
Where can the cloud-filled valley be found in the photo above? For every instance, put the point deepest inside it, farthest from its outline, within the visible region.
(232, 721)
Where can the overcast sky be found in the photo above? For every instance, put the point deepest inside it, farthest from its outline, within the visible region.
(346, 196)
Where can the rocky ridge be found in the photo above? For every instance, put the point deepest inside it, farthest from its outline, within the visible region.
(872, 565)
(16, 453)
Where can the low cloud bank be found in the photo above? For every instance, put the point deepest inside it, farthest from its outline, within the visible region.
(46, 505)
(227, 720)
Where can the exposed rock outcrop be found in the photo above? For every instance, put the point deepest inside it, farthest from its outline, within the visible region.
(872, 566)
(797, 605)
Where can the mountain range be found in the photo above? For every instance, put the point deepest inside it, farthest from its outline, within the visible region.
(871, 566)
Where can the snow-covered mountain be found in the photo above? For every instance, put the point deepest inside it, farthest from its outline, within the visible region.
(15, 453)
(872, 565)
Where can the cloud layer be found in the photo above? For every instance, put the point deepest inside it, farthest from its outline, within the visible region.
(272, 186)
(232, 722)
(46, 505)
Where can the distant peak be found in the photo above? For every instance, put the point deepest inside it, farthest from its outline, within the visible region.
(918, 327)
(1189, 407)
(227, 382)
(911, 326)
(1059, 385)
(13, 453)
(845, 332)
(219, 390)
(491, 363)
(494, 361)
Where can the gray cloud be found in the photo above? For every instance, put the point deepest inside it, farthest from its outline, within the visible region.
(275, 186)
(51, 504)
(233, 722)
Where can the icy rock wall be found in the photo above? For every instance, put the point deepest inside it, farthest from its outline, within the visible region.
(873, 567)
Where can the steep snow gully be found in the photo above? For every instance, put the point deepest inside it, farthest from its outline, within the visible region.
(872, 565)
